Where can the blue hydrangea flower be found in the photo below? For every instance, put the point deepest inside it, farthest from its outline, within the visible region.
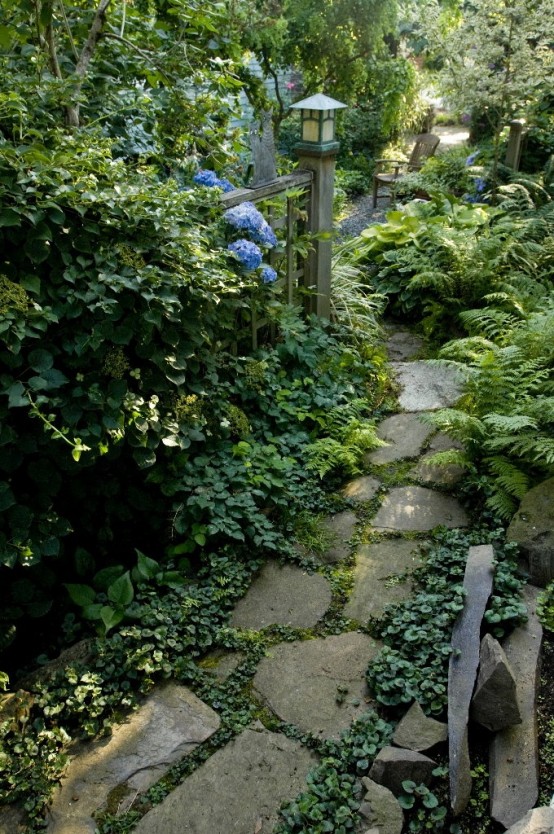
(210, 179)
(247, 252)
(269, 276)
(472, 157)
(480, 184)
(247, 218)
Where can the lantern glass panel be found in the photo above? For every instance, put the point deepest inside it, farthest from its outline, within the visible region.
(310, 126)
(328, 132)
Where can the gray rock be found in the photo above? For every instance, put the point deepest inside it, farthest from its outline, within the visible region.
(222, 664)
(379, 568)
(462, 669)
(383, 811)
(425, 386)
(445, 474)
(361, 489)
(441, 442)
(416, 731)
(240, 788)
(393, 765)
(12, 820)
(169, 724)
(537, 821)
(418, 509)
(318, 685)
(514, 769)
(283, 595)
(405, 434)
(494, 703)
(341, 527)
(402, 344)
(533, 529)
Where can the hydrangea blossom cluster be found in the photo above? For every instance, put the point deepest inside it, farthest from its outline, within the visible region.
(248, 253)
(269, 276)
(210, 179)
(471, 158)
(248, 219)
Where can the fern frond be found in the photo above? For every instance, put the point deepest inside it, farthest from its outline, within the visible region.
(502, 504)
(509, 477)
(510, 423)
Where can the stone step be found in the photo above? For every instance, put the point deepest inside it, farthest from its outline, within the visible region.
(425, 386)
(240, 788)
(412, 509)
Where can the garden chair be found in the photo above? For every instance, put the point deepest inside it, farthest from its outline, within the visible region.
(425, 146)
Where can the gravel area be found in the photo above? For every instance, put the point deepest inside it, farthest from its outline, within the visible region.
(363, 215)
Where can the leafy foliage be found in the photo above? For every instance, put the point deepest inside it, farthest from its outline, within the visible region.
(413, 664)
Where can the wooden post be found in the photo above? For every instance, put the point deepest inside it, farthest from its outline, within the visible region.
(320, 224)
(515, 143)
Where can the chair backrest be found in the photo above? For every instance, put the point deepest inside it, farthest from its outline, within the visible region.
(425, 145)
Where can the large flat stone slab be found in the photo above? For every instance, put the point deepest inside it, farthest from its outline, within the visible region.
(533, 529)
(169, 725)
(283, 595)
(403, 344)
(426, 386)
(380, 808)
(414, 509)
(361, 489)
(376, 584)
(239, 789)
(514, 772)
(462, 670)
(318, 685)
(406, 436)
(341, 528)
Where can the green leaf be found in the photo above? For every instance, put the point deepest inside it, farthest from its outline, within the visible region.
(110, 617)
(81, 594)
(107, 576)
(146, 568)
(121, 592)
(16, 395)
(41, 360)
(9, 217)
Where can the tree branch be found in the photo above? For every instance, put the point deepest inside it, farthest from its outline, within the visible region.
(139, 51)
(86, 57)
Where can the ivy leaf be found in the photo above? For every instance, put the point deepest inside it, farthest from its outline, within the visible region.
(110, 617)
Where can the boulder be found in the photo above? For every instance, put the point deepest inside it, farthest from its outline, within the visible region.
(537, 821)
(416, 731)
(532, 528)
(494, 703)
(393, 765)
(380, 808)
(462, 669)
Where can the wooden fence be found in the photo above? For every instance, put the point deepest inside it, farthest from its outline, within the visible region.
(294, 218)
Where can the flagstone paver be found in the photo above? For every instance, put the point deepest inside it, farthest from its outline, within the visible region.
(361, 489)
(239, 789)
(283, 595)
(318, 685)
(170, 724)
(341, 527)
(418, 509)
(405, 435)
(425, 386)
(376, 577)
(403, 344)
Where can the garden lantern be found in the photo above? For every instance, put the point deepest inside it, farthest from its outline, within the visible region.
(318, 122)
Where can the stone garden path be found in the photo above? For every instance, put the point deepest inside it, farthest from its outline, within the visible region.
(316, 684)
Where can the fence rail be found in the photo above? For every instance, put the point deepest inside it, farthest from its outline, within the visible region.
(294, 219)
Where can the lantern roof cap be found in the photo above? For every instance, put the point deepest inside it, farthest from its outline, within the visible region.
(319, 101)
